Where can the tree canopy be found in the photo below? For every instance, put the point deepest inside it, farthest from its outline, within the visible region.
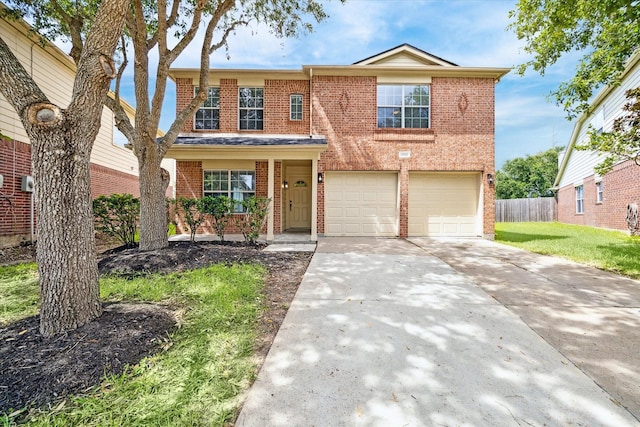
(530, 176)
(605, 32)
(164, 30)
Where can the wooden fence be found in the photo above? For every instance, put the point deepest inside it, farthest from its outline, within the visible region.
(542, 209)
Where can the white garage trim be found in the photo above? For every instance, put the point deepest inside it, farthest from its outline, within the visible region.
(361, 204)
(444, 204)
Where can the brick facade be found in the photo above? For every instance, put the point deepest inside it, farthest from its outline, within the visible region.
(106, 181)
(460, 137)
(15, 204)
(189, 184)
(619, 189)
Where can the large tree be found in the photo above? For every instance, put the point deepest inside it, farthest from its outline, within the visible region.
(605, 32)
(530, 176)
(164, 29)
(61, 141)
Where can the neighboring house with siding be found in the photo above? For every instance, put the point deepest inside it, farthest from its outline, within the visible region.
(114, 169)
(584, 197)
(398, 144)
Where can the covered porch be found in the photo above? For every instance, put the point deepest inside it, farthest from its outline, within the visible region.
(285, 169)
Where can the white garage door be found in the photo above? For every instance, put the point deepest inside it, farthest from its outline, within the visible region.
(361, 204)
(444, 204)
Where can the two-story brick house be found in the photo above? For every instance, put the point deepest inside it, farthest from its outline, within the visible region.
(398, 144)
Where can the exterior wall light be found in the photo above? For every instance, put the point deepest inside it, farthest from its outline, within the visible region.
(285, 185)
(490, 179)
(320, 178)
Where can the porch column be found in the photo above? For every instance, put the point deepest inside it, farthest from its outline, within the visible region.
(314, 200)
(270, 194)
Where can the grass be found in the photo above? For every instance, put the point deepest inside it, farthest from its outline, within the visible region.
(605, 249)
(195, 382)
(18, 292)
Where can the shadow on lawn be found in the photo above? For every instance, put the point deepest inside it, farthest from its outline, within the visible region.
(509, 236)
(622, 257)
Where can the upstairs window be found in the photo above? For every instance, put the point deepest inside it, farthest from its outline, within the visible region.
(251, 108)
(403, 106)
(580, 199)
(236, 184)
(295, 107)
(208, 115)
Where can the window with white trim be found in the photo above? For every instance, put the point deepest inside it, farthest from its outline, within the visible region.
(599, 192)
(295, 107)
(236, 184)
(208, 115)
(580, 199)
(403, 106)
(251, 108)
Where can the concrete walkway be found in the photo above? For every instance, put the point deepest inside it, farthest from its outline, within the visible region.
(384, 333)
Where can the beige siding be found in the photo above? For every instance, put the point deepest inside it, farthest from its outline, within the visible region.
(581, 163)
(54, 72)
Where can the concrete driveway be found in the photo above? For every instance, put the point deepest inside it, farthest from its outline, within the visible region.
(387, 332)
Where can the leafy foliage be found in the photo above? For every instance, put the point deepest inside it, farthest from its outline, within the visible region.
(256, 209)
(117, 216)
(164, 30)
(623, 142)
(605, 32)
(221, 210)
(530, 176)
(193, 213)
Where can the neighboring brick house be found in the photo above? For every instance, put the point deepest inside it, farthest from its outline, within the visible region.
(114, 169)
(398, 144)
(584, 197)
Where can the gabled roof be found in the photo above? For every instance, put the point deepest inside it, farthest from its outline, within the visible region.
(600, 97)
(404, 55)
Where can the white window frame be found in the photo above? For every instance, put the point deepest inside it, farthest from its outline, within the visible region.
(579, 199)
(599, 192)
(256, 103)
(398, 103)
(295, 107)
(232, 176)
(204, 107)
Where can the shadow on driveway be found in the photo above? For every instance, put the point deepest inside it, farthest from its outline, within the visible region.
(382, 333)
(591, 316)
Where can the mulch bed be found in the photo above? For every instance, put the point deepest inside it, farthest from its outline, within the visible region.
(38, 372)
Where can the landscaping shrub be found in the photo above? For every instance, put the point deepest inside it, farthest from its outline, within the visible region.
(192, 212)
(256, 209)
(221, 210)
(117, 216)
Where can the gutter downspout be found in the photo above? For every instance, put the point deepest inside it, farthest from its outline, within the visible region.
(310, 102)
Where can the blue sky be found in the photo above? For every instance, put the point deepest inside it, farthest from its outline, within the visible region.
(466, 32)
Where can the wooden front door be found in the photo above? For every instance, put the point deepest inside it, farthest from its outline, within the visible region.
(298, 200)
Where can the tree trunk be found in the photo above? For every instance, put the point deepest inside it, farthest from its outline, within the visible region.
(153, 186)
(61, 143)
(69, 288)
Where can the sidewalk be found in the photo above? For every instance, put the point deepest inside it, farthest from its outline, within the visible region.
(383, 334)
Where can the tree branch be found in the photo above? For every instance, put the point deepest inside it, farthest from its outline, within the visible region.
(16, 85)
(96, 67)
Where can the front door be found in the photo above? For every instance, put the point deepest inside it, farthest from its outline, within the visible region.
(298, 200)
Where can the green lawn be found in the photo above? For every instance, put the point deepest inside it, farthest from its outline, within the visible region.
(197, 381)
(605, 249)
